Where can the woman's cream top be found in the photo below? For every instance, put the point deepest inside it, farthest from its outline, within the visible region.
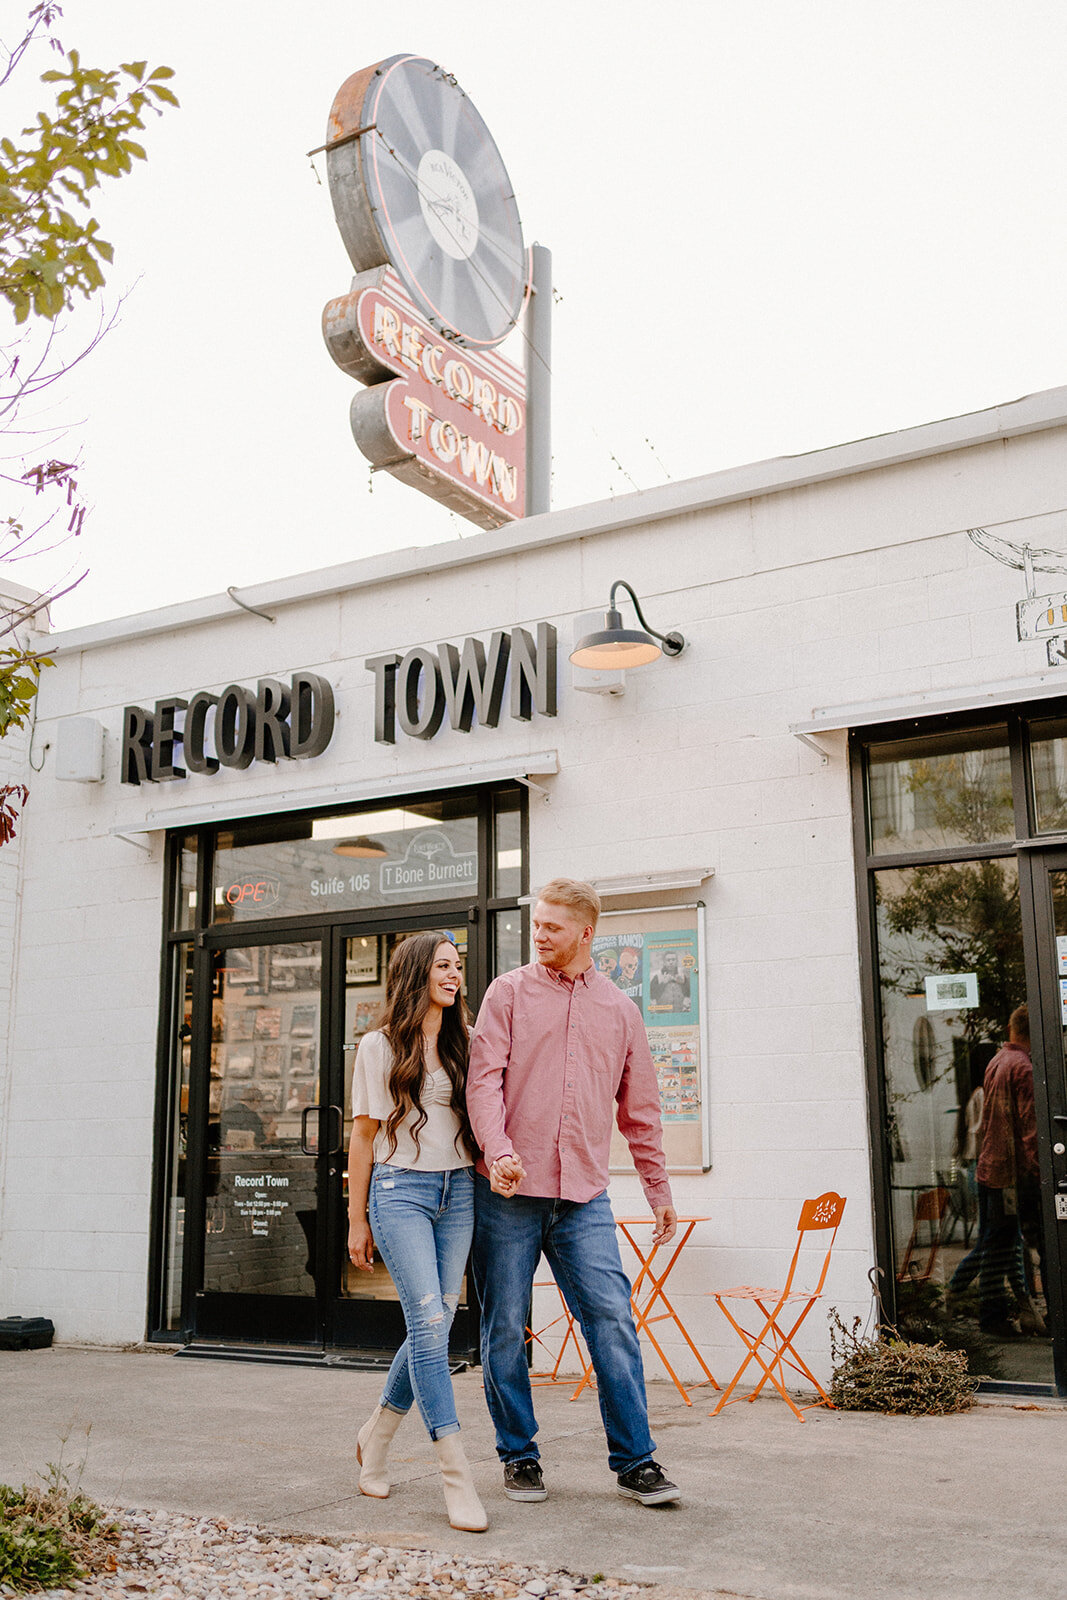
(438, 1149)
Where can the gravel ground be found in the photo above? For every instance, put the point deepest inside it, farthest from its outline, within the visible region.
(173, 1557)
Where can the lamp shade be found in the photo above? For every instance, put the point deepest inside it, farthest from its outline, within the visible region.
(362, 848)
(615, 646)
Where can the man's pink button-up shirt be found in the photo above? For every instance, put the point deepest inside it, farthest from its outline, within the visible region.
(552, 1063)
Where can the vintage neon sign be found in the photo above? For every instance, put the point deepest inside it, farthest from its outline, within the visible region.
(448, 421)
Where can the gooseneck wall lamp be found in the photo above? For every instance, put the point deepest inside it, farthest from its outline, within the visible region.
(614, 646)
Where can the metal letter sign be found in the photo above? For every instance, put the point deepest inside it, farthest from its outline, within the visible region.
(1044, 616)
(427, 214)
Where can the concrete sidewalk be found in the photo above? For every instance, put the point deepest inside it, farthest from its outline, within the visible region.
(843, 1507)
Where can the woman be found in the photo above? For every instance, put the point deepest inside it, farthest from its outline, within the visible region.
(411, 1192)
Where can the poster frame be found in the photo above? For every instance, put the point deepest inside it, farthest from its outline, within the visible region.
(633, 913)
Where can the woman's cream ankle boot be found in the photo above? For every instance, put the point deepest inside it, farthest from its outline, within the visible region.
(372, 1445)
(465, 1510)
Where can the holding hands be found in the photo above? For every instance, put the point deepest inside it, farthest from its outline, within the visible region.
(505, 1174)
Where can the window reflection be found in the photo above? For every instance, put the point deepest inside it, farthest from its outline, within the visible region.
(179, 1045)
(400, 856)
(507, 859)
(1048, 758)
(951, 974)
(260, 1222)
(929, 795)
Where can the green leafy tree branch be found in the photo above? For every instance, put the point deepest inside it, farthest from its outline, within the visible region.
(52, 257)
(50, 244)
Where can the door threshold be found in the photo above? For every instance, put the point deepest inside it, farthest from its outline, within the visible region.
(297, 1356)
(276, 1355)
(1005, 1389)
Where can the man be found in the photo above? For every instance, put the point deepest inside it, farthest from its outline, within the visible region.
(1008, 1184)
(555, 1050)
(669, 989)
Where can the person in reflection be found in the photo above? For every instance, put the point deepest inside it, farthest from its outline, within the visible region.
(411, 1193)
(557, 1052)
(1009, 1192)
(241, 1125)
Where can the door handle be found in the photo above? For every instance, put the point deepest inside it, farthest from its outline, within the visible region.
(304, 1115)
(336, 1144)
(1057, 1118)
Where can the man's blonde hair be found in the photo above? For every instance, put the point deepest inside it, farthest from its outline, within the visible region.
(576, 895)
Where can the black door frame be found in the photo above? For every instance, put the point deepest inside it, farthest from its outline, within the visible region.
(321, 1321)
(1050, 1074)
(1035, 856)
(181, 1131)
(293, 1319)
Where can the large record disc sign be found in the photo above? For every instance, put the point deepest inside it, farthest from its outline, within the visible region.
(418, 187)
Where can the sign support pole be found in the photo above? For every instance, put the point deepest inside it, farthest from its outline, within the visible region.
(539, 384)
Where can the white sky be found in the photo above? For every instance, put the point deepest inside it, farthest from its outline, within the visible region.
(776, 225)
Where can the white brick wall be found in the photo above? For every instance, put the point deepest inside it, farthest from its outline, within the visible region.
(14, 769)
(860, 587)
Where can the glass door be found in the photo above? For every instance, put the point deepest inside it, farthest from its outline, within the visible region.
(968, 1247)
(364, 1311)
(265, 1137)
(1045, 1223)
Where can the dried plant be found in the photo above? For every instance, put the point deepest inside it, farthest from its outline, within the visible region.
(891, 1374)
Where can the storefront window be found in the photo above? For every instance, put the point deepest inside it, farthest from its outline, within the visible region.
(185, 889)
(951, 972)
(176, 1127)
(1048, 760)
(392, 856)
(261, 1213)
(270, 1033)
(507, 837)
(935, 795)
(509, 945)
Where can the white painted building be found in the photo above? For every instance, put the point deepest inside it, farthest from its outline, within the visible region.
(714, 802)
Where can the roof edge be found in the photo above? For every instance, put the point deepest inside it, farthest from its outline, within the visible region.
(1031, 414)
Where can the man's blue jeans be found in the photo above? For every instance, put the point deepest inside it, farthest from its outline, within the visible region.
(422, 1224)
(580, 1244)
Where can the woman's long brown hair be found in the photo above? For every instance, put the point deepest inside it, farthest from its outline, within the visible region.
(407, 1000)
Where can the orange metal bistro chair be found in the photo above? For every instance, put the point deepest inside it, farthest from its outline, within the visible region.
(782, 1311)
(930, 1208)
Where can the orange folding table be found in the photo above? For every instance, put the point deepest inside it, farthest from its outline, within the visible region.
(647, 1291)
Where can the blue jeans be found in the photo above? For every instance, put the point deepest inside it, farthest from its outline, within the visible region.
(422, 1224)
(996, 1261)
(581, 1247)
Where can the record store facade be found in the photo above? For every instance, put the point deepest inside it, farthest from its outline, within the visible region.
(830, 837)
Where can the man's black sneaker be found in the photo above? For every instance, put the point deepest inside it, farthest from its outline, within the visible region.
(523, 1480)
(647, 1483)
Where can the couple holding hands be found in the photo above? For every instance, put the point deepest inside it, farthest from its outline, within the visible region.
(500, 1135)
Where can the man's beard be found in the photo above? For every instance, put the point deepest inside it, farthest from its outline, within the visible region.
(560, 958)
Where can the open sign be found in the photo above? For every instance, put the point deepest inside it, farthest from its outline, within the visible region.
(260, 891)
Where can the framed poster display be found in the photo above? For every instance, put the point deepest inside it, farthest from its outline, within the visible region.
(657, 959)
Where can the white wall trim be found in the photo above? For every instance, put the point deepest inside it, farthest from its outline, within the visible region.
(227, 808)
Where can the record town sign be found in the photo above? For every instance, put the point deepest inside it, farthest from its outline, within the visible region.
(428, 217)
(413, 692)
